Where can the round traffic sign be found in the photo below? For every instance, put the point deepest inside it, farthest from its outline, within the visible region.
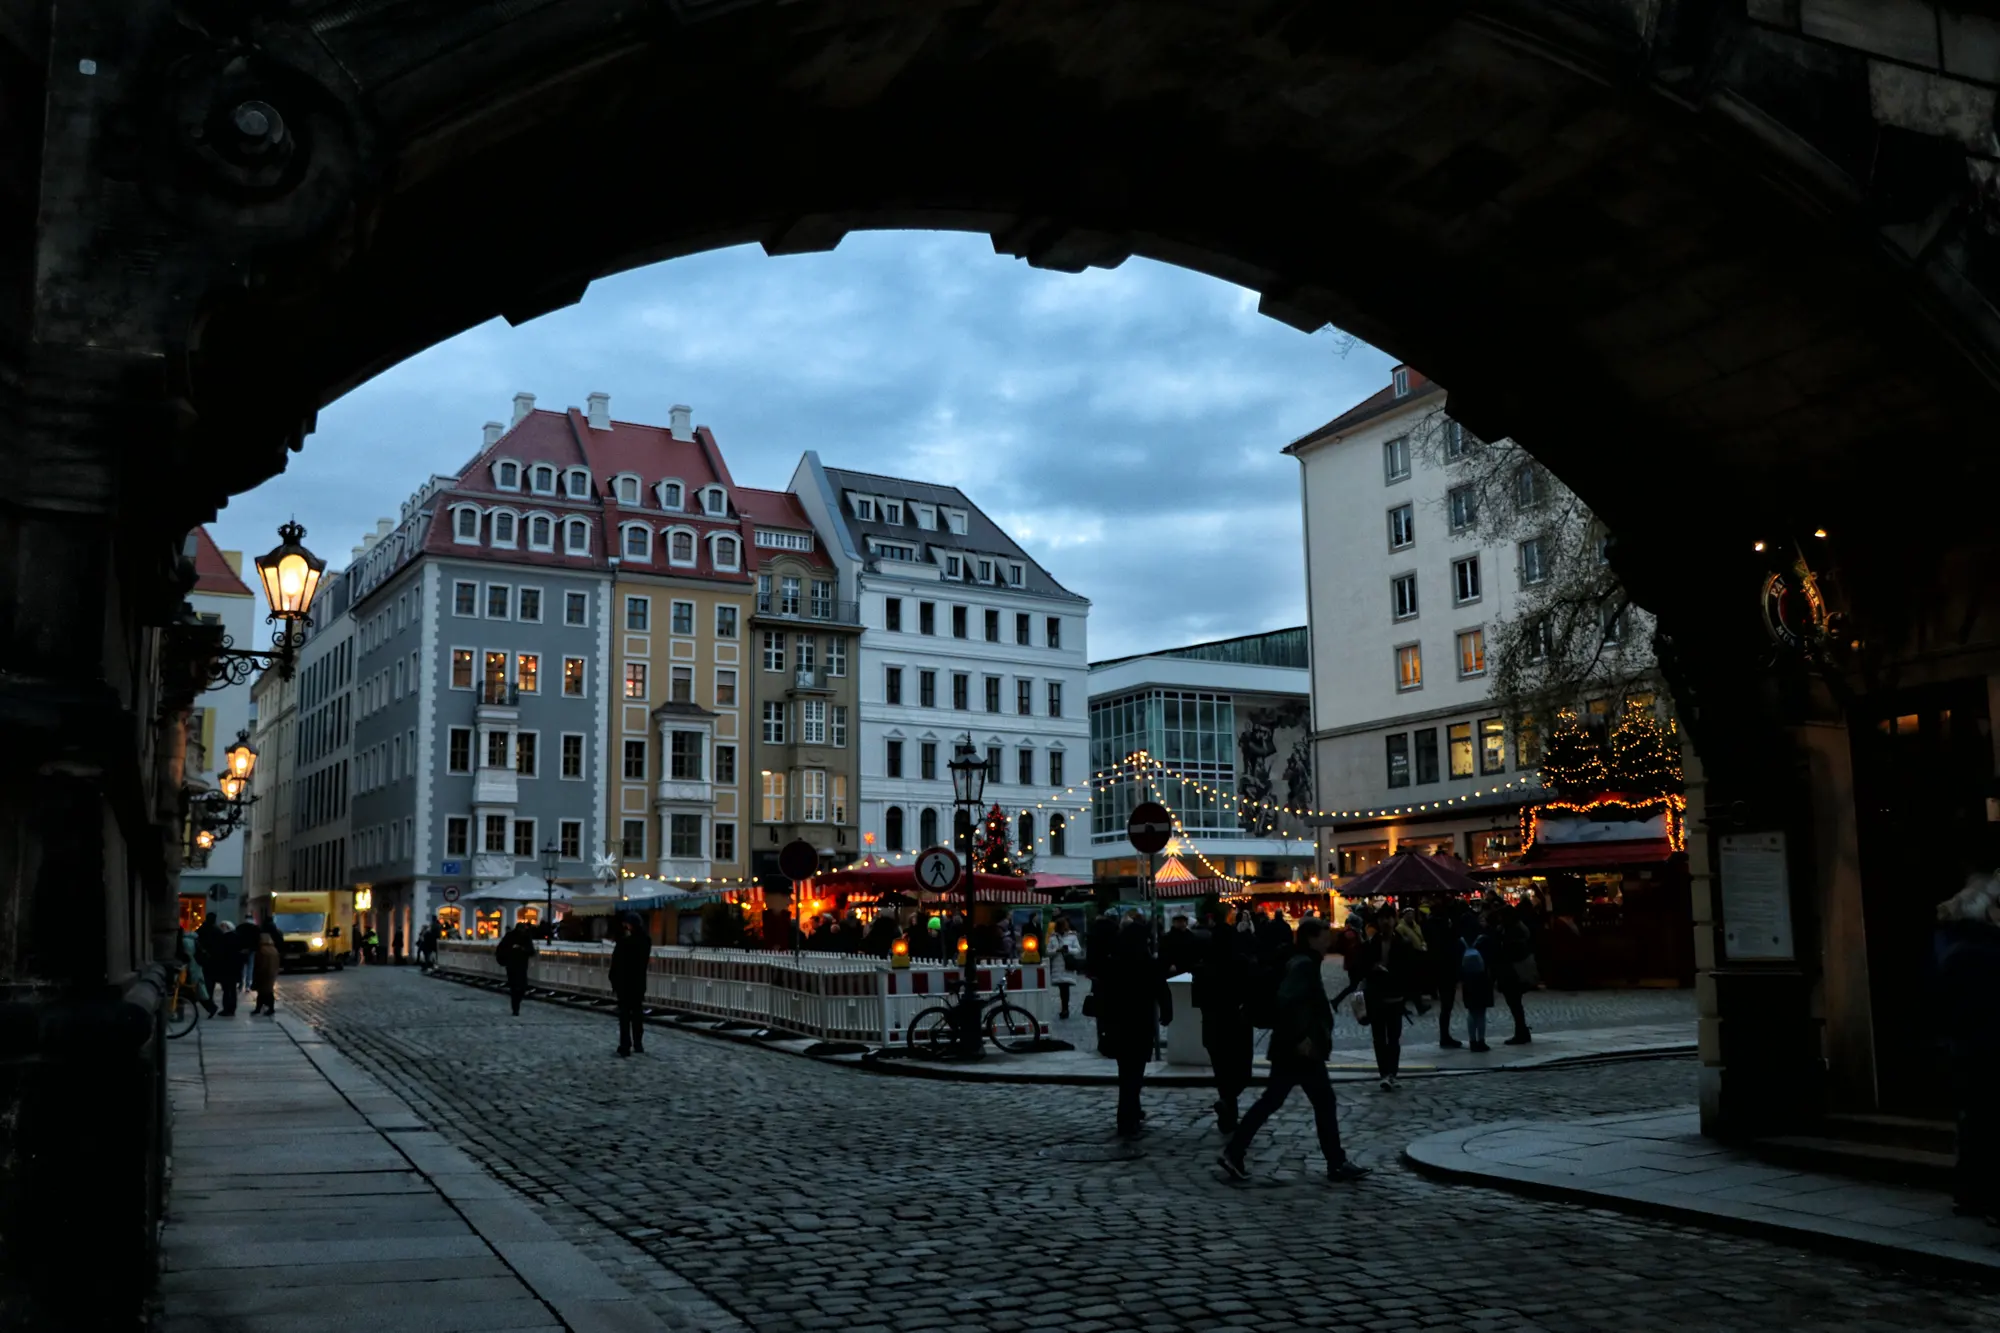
(1149, 827)
(798, 859)
(451, 893)
(937, 869)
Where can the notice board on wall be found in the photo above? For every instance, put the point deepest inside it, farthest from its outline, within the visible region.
(1756, 898)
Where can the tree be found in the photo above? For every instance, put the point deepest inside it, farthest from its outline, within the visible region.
(1575, 634)
(1645, 756)
(993, 848)
(1574, 762)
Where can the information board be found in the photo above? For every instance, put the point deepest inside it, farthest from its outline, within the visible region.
(1756, 898)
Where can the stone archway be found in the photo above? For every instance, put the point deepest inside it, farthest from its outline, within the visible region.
(1720, 266)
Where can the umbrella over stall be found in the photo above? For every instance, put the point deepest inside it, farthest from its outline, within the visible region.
(1411, 873)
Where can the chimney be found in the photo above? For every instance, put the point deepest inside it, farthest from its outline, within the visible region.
(383, 527)
(682, 417)
(599, 412)
(493, 431)
(524, 403)
(357, 553)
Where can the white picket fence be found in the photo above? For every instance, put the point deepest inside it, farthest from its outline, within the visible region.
(844, 997)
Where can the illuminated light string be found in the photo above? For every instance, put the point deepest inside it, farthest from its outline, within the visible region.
(1140, 764)
(1675, 807)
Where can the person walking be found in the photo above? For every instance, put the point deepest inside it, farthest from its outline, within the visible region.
(630, 959)
(1443, 946)
(244, 939)
(218, 965)
(1065, 960)
(1299, 1047)
(1386, 967)
(1477, 959)
(1517, 973)
(1222, 982)
(516, 947)
(1132, 1003)
(1967, 965)
(264, 972)
(396, 946)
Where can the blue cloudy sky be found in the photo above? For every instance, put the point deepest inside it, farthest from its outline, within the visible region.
(1124, 425)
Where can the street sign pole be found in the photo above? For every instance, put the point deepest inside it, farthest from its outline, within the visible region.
(798, 861)
(1148, 829)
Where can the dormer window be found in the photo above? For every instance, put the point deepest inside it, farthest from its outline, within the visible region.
(467, 529)
(714, 501)
(954, 568)
(955, 519)
(1016, 575)
(542, 530)
(1402, 382)
(503, 529)
(727, 552)
(576, 537)
(543, 479)
(680, 547)
(864, 508)
(628, 490)
(895, 551)
(670, 495)
(986, 571)
(576, 483)
(926, 516)
(507, 476)
(638, 542)
(892, 512)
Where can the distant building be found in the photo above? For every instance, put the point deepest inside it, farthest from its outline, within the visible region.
(219, 595)
(1229, 724)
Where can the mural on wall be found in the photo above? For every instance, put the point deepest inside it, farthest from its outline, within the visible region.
(1264, 734)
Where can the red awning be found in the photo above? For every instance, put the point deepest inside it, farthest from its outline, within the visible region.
(1591, 855)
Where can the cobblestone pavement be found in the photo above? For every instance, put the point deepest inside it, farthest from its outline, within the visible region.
(797, 1196)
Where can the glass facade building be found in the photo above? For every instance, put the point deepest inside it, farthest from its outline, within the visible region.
(1192, 732)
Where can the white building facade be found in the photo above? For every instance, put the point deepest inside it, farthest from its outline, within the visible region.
(966, 639)
(220, 595)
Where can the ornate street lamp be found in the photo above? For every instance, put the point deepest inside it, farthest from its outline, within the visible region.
(291, 575)
(241, 757)
(968, 793)
(551, 863)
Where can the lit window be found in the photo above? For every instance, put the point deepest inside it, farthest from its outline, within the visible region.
(840, 798)
(1472, 653)
(461, 668)
(773, 811)
(1410, 667)
(1492, 746)
(1458, 738)
(528, 672)
(635, 680)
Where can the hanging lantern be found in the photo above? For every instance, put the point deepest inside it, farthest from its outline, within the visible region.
(291, 575)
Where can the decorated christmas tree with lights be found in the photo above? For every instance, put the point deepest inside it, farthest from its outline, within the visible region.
(993, 849)
(1573, 763)
(1645, 756)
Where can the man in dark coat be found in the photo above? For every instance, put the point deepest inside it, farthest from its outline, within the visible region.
(1132, 1002)
(244, 945)
(516, 947)
(1179, 947)
(630, 957)
(1967, 956)
(1445, 949)
(1300, 1045)
(1274, 937)
(1222, 980)
(215, 950)
(1517, 973)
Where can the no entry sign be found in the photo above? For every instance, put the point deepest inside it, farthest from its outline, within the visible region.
(798, 859)
(1149, 827)
(937, 869)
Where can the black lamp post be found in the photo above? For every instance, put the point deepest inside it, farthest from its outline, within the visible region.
(968, 791)
(551, 862)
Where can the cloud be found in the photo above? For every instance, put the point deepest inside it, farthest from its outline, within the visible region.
(1124, 424)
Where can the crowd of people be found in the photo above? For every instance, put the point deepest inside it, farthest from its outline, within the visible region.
(232, 958)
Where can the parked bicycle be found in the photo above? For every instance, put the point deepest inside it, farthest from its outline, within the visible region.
(934, 1031)
(183, 1004)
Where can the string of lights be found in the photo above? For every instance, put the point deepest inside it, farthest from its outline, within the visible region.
(1141, 763)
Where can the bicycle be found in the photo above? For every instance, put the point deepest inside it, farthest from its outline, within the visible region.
(184, 1004)
(934, 1031)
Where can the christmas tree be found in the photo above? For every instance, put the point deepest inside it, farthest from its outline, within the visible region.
(1572, 763)
(993, 849)
(1645, 756)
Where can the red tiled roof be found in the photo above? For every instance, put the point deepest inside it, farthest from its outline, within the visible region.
(1374, 405)
(212, 572)
(778, 509)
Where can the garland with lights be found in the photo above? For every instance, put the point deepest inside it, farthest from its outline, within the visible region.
(1140, 764)
(1616, 805)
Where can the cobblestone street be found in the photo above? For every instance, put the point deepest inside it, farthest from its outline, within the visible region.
(796, 1196)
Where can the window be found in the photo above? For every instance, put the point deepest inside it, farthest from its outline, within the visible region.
(503, 529)
(468, 525)
(892, 828)
(572, 754)
(892, 755)
(774, 650)
(1458, 739)
(1471, 653)
(1024, 697)
(1402, 526)
(576, 539)
(458, 750)
(1454, 441)
(1401, 380)
(1403, 596)
(635, 761)
(892, 613)
(927, 689)
(529, 605)
(632, 842)
(496, 833)
(680, 550)
(1528, 488)
(992, 627)
(1410, 667)
(1399, 759)
(725, 765)
(541, 533)
(1058, 836)
(1534, 564)
(892, 512)
(725, 842)
(836, 655)
(638, 542)
(1025, 839)
(958, 617)
(1055, 768)
(527, 755)
(576, 608)
(954, 568)
(774, 722)
(812, 721)
(993, 763)
(839, 725)
(572, 678)
(725, 622)
(1023, 632)
(773, 798)
(682, 618)
(461, 668)
(927, 828)
(812, 795)
(986, 571)
(1492, 745)
(569, 839)
(635, 680)
(1614, 624)
(1396, 459)
(927, 761)
(725, 689)
(803, 652)
(1025, 767)
(864, 508)
(528, 673)
(684, 755)
(507, 476)
(1426, 745)
(498, 598)
(1055, 631)
(628, 490)
(926, 617)
(1055, 698)
(1541, 640)
(993, 694)
(1528, 745)
(961, 687)
(496, 749)
(726, 552)
(892, 685)
(1465, 579)
(465, 599)
(457, 835)
(670, 495)
(680, 685)
(1017, 576)
(1462, 502)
